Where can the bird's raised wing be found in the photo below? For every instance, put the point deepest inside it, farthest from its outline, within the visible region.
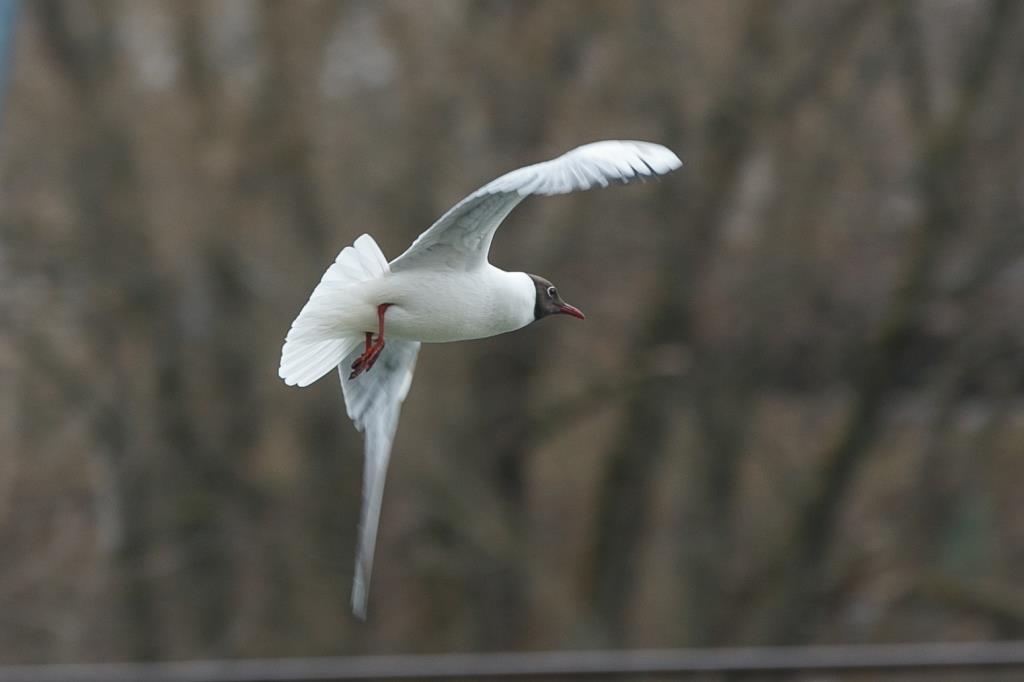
(461, 238)
(374, 401)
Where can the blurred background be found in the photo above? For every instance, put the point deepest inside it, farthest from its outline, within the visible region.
(795, 413)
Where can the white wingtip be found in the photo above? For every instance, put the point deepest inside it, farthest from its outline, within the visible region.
(642, 158)
(360, 596)
(597, 164)
(661, 159)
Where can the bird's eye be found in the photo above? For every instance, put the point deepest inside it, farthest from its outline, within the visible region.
(552, 293)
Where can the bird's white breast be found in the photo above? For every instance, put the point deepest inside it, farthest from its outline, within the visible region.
(438, 306)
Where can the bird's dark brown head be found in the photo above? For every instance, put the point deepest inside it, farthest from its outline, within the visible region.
(548, 301)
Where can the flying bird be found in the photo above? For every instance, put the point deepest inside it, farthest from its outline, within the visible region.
(367, 317)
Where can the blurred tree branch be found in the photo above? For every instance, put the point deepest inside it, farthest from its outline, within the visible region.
(9, 10)
(1002, 602)
(104, 180)
(742, 111)
(555, 416)
(940, 164)
(134, 311)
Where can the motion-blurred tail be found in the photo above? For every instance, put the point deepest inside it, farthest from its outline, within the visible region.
(374, 401)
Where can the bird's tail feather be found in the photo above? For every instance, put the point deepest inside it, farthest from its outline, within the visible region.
(314, 345)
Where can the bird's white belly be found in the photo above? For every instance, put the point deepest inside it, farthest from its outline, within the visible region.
(450, 306)
(421, 324)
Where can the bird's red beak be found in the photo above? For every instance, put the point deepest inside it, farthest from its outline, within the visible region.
(567, 309)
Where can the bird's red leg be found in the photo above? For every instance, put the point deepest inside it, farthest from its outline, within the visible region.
(359, 366)
(372, 351)
(381, 309)
(378, 345)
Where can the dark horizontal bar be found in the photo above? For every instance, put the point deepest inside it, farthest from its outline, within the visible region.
(890, 658)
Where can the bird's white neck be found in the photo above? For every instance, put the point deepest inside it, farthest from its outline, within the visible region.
(516, 297)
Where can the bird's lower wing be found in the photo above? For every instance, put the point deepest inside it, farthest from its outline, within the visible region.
(374, 401)
(461, 238)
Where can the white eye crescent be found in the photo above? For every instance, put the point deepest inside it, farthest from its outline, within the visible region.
(552, 293)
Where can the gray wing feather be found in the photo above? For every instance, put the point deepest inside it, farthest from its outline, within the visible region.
(374, 401)
(461, 238)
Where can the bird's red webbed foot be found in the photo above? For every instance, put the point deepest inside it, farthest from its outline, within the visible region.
(372, 349)
(366, 361)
